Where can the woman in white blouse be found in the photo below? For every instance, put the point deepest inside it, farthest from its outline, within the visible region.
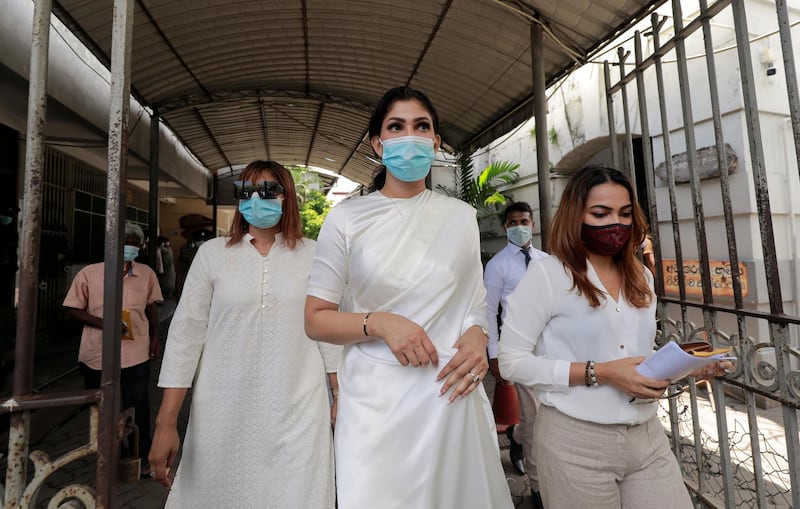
(576, 327)
(259, 433)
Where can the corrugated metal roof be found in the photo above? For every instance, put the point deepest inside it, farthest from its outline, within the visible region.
(295, 81)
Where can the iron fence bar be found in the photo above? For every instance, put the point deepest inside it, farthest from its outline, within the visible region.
(709, 316)
(777, 331)
(647, 149)
(777, 318)
(785, 31)
(689, 29)
(722, 164)
(691, 153)
(657, 23)
(30, 239)
(722, 159)
(107, 449)
(612, 129)
(38, 401)
(794, 403)
(697, 433)
(628, 165)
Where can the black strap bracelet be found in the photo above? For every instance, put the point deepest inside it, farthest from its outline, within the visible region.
(364, 325)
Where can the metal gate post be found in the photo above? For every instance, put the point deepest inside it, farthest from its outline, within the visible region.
(107, 450)
(17, 469)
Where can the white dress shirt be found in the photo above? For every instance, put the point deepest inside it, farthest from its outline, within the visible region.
(548, 326)
(501, 276)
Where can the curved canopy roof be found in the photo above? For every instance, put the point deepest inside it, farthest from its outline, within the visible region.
(295, 81)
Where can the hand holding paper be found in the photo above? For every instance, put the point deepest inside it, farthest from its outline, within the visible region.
(672, 362)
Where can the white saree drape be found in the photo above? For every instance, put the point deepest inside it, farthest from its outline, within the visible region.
(398, 444)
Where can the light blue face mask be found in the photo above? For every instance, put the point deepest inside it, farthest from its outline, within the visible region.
(408, 158)
(519, 235)
(5, 220)
(129, 253)
(261, 213)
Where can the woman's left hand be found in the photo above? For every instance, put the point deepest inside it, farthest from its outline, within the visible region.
(468, 366)
(719, 368)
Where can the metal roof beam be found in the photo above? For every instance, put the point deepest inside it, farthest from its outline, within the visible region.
(170, 46)
(94, 48)
(479, 138)
(428, 43)
(213, 138)
(314, 133)
(305, 47)
(217, 96)
(264, 127)
(353, 152)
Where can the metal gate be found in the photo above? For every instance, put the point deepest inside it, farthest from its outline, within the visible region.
(737, 438)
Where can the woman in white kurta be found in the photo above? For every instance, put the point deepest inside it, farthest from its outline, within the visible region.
(414, 427)
(259, 432)
(576, 326)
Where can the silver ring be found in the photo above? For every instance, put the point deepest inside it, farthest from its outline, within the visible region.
(475, 378)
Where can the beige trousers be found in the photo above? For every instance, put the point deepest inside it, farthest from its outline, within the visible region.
(606, 466)
(523, 432)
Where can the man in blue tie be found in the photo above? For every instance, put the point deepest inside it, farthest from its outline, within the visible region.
(501, 277)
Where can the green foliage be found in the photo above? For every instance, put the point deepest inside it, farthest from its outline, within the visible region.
(313, 212)
(482, 191)
(313, 204)
(552, 135)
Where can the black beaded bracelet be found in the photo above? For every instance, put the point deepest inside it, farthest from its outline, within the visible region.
(592, 374)
(586, 380)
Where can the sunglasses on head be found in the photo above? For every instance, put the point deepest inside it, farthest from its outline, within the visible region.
(268, 189)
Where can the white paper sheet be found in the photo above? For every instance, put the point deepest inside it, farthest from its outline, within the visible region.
(671, 363)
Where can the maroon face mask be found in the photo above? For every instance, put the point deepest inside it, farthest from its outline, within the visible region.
(605, 240)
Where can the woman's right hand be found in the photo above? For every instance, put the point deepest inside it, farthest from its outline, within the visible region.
(408, 341)
(166, 443)
(622, 374)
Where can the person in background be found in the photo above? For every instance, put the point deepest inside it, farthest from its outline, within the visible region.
(140, 292)
(167, 275)
(576, 327)
(259, 433)
(501, 276)
(648, 253)
(410, 433)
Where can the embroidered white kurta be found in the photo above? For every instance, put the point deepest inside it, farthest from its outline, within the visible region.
(398, 444)
(259, 431)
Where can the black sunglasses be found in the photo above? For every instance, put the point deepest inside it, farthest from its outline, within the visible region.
(268, 189)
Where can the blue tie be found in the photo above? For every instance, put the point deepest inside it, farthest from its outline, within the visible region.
(527, 256)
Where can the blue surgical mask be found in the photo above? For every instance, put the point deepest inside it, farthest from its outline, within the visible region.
(129, 253)
(5, 220)
(261, 213)
(408, 158)
(519, 235)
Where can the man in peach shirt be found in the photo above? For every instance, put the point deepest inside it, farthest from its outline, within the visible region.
(140, 292)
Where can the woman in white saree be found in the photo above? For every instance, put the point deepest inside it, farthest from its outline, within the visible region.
(414, 425)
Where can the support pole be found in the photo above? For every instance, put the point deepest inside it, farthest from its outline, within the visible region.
(108, 449)
(540, 117)
(17, 470)
(152, 218)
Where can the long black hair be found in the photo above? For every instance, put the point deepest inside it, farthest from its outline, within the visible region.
(376, 122)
